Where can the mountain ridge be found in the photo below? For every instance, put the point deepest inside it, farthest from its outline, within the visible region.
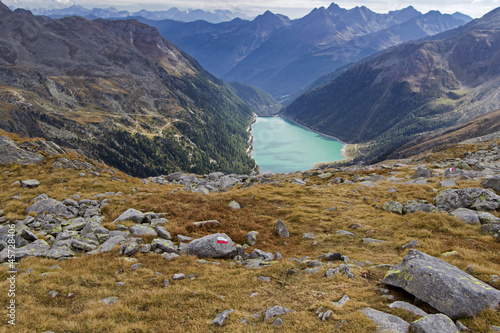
(121, 93)
(414, 87)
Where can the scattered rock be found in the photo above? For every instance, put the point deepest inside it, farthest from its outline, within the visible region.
(308, 235)
(276, 311)
(386, 322)
(131, 214)
(109, 300)
(278, 322)
(178, 276)
(413, 243)
(492, 182)
(234, 205)
(251, 238)
(475, 198)
(342, 301)
(219, 320)
(31, 183)
(281, 230)
(408, 307)
(433, 323)
(372, 241)
(468, 216)
(393, 207)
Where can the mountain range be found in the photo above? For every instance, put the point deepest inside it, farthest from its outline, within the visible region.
(283, 56)
(424, 85)
(189, 15)
(119, 92)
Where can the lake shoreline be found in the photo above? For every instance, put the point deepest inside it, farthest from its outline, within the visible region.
(344, 147)
(322, 147)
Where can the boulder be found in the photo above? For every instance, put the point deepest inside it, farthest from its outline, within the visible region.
(142, 230)
(445, 287)
(393, 207)
(164, 245)
(468, 216)
(251, 238)
(487, 218)
(212, 246)
(162, 232)
(10, 153)
(413, 207)
(50, 206)
(110, 244)
(476, 198)
(408, 307)
(219, 320)
(281, 230)
(492, 182)
(274, 311)
(131, 214)
(234, 205)
(386, 322)
(30, 183)
(491, 229)
(421, 172)
(433, 323)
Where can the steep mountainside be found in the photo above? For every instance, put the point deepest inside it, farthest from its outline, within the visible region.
(120, 92)
(419, 86)
(220, 47)
(282, 56)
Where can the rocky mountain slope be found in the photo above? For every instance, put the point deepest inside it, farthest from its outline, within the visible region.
(283, 56)
(121, 93)
(405, 244)
(436, 82)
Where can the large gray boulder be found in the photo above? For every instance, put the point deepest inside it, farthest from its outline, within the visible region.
(491, 229)
(38, 248)
(142, 230)
(51, 206)
(131, 214)
(434, 323)
(492, 182)
(386, 322)
(445, 287)
(10, 153)
(474, 198)
(212, 246)
(466, 215)
(394, 207)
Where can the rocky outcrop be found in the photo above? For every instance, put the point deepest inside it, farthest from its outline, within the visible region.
(443, 286)
(473, 198)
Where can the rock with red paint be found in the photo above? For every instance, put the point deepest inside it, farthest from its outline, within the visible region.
(213, 246)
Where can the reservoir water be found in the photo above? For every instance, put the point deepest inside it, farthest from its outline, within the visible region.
(282, 146)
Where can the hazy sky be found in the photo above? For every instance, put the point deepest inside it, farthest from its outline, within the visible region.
(291, 8)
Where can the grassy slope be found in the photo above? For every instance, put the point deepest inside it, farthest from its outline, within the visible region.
(189, 305)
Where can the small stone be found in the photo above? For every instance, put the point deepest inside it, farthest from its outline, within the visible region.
(276, 311)
(264, 278)
(412, 244)
(166, 283)
(121, 284)
(169, 256)
(308, 235)
(344, 233)
(178, 276)
(219, 320)
(183, 238)
(135, 266)
(342, 301)
(109, 300)
(281, 230)
(53, 293)
(253, 294)
(234, 205)
(31, 183)
(372, 241)
(408, 307)
(326, 315)
(251, 238)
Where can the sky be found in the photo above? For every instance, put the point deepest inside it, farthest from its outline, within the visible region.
(291, 8)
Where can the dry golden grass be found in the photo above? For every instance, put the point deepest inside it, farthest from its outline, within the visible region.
(144, 305)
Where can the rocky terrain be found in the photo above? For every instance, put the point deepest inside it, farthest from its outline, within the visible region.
(407, 245)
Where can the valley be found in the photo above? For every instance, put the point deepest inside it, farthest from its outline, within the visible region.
(143, 193)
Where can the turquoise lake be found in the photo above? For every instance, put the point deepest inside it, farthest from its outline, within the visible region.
(282, 146)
